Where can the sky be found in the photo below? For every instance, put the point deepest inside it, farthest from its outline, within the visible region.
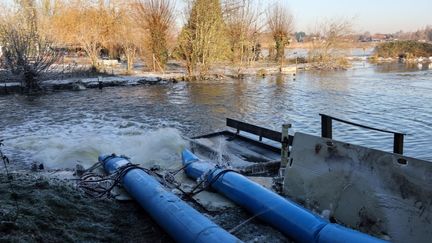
(376, 16)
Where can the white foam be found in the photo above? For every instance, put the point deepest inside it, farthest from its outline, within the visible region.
(221, 149)
(62, 147)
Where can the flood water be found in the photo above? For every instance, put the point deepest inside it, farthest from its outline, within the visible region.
(147, 122)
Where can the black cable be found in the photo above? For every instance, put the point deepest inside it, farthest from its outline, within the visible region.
(209, 184)
(114, 179)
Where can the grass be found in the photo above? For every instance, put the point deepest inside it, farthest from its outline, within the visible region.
(52, 211)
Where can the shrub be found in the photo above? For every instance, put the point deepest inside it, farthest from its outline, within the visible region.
(404, 49)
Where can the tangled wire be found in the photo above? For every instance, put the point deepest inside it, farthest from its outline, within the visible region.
(98, 185)
(205, 184)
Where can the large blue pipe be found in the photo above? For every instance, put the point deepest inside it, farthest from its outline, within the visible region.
(288, 217)
(177, 218)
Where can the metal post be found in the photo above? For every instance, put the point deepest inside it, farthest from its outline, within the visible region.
(398, 143)
(326, 127)
(285, 145)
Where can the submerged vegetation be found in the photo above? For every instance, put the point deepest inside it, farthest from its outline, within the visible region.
(403, 49)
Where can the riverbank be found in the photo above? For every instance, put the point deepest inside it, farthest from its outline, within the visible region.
(94, 82)
(423, 61)
(36, 208)
(173, 74)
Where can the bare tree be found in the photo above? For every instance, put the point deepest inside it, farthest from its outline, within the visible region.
(156, 17)
(25, 52)
(429, 32)
(243, 29)
(281, 23)
(88, 25)
(46, 10)
(89, 34)
(128, 35)
(79, 24)
(27, 12)
(325, 51)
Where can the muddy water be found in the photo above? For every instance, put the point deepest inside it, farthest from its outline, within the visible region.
(148, 122)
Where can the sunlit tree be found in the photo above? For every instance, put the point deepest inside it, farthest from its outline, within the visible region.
(281, 23)
(156, 19)
(202, 40)
(243, 29)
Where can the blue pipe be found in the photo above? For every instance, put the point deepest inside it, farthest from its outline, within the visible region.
(177, 218)
(286, 216)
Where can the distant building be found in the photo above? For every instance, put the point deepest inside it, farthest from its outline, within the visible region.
(365, 38)
(381, 37)
(378, 37)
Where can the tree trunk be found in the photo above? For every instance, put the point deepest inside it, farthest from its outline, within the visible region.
(280, 49)
(31, 83)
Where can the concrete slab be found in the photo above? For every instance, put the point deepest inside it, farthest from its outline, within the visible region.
(370, 190)
(266, 182)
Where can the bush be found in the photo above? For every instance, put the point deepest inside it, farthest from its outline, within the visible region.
(26, 54)
(261, 72)
(403, 49)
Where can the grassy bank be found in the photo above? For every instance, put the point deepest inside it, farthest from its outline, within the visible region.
(50, 210)
(403, 49)
(38, 208)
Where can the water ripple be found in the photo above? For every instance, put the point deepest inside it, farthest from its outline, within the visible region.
(384, 97)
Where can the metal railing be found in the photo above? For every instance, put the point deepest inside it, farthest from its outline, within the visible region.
(259, 131)
(327, 131)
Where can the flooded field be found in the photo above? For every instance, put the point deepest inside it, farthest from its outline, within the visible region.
(148, 122)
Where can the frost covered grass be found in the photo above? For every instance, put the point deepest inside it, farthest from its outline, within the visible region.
(51, 210)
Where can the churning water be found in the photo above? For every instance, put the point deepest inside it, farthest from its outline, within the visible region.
(147, 122)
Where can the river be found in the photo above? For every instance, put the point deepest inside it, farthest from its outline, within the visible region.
(148, 122)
